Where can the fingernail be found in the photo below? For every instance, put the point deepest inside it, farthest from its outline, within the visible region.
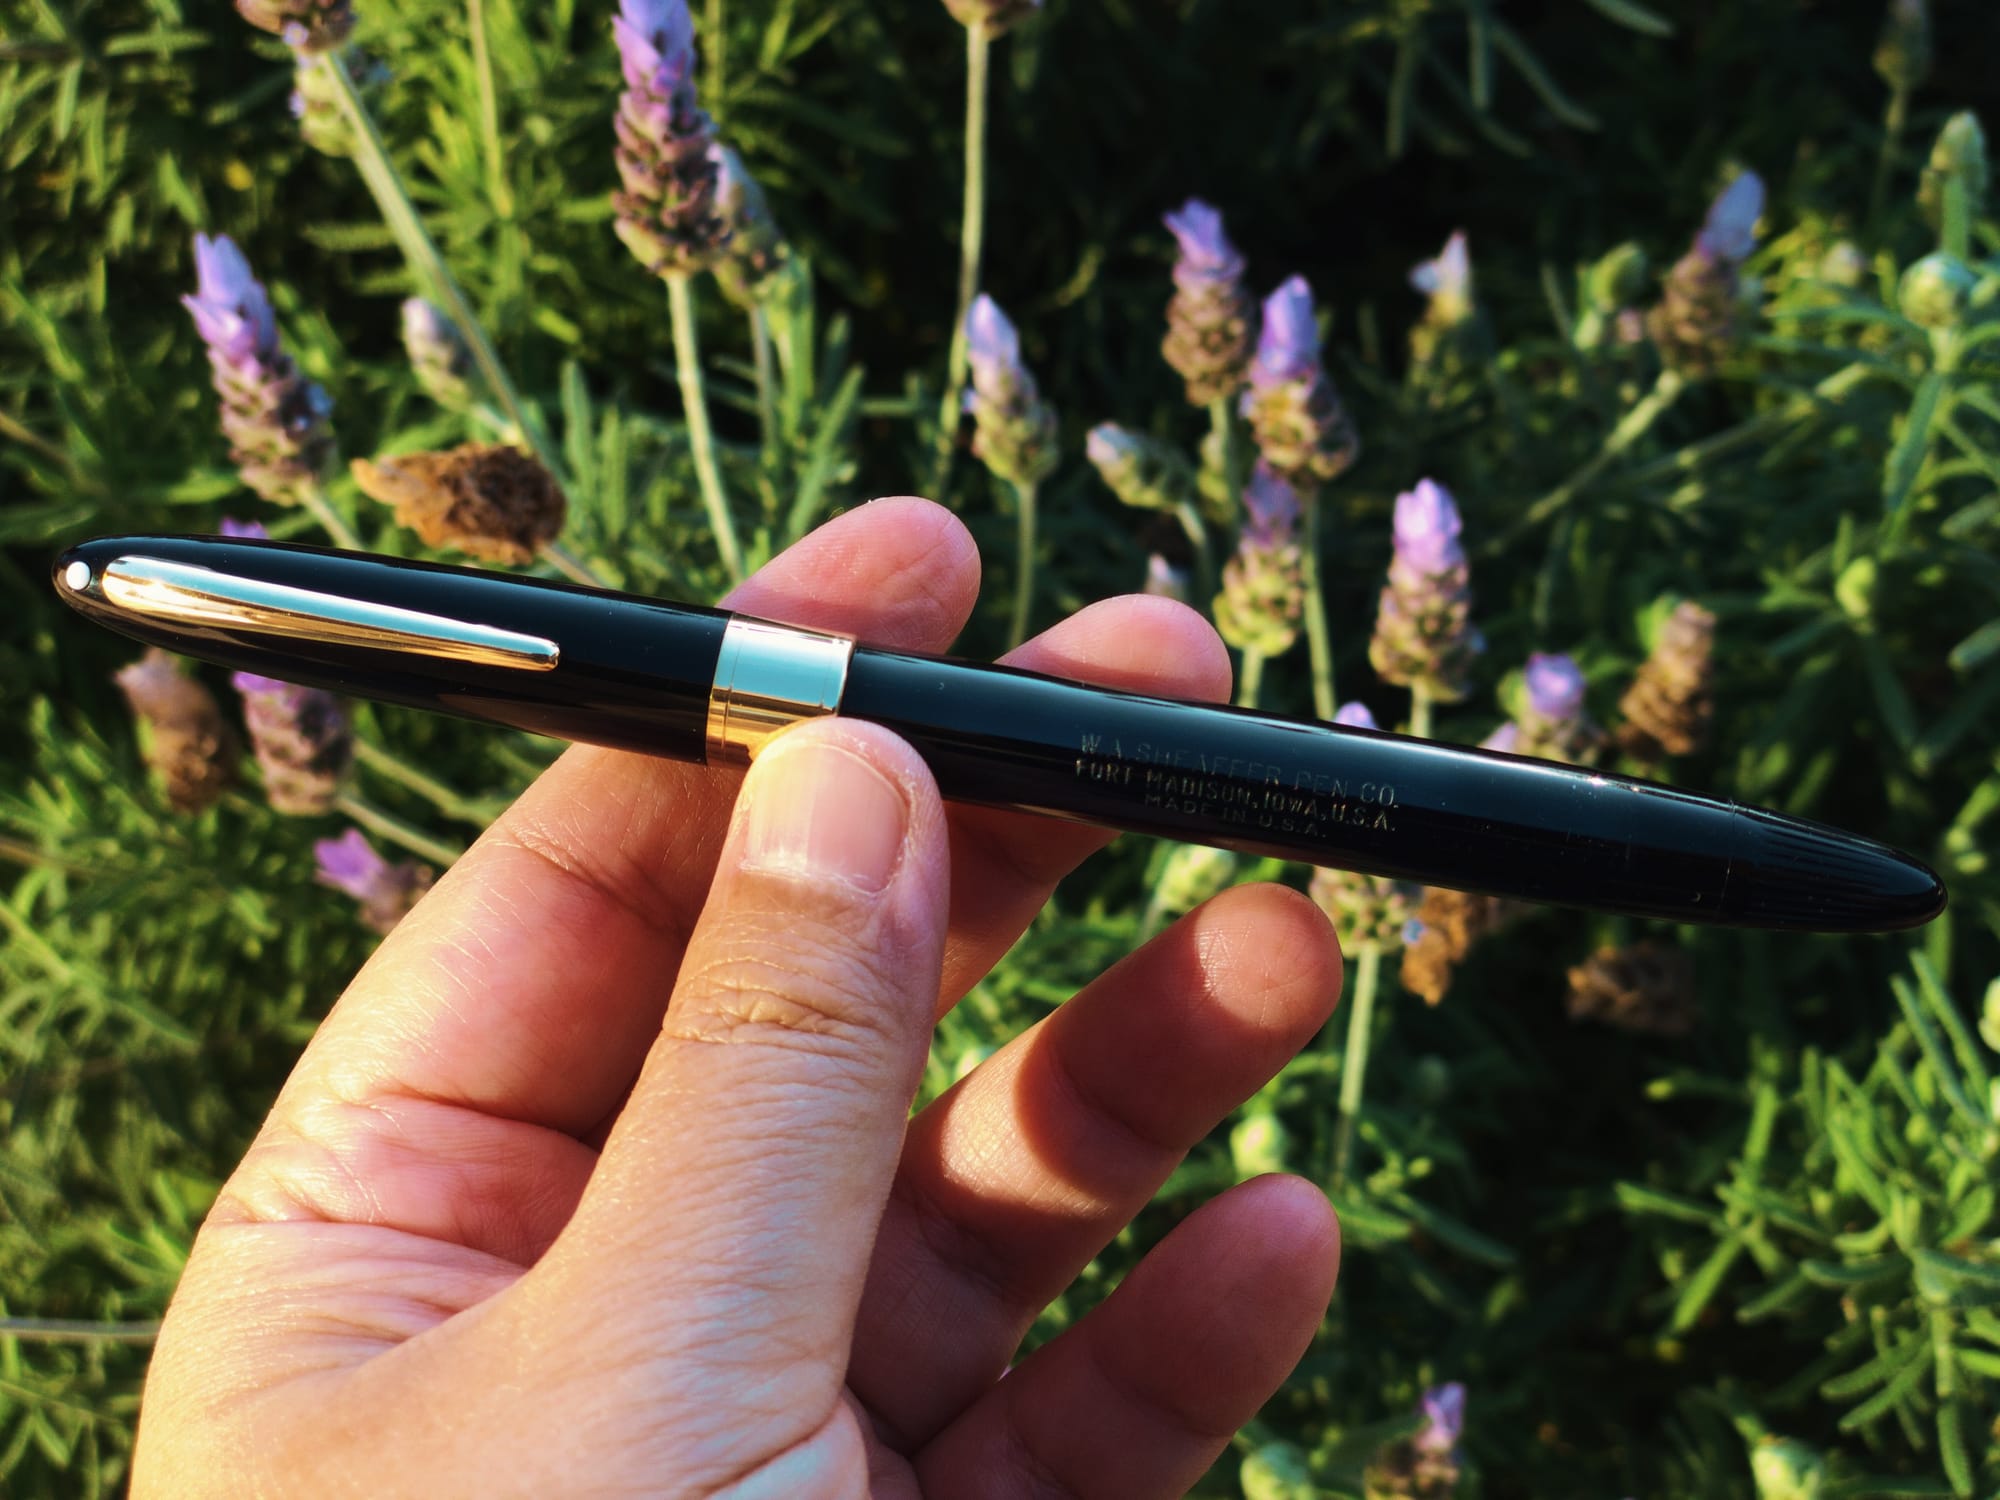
(820, 810)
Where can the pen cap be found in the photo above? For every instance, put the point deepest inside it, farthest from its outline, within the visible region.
(550, 658)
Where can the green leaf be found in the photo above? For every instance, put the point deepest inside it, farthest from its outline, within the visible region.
(1906, 459)
(1633, 16)
(1701, 1287)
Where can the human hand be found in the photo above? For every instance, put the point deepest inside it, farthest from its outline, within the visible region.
(601, 1180)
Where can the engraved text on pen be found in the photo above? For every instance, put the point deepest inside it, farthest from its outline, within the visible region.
(1233, 789)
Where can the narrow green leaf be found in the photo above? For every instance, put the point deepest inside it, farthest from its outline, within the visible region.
(1633, 16)
(1906, 459)
(1702, 1286)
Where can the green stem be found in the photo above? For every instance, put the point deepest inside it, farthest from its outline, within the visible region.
(1024, 565)
(1420, 711)
(572, 567)
(971, 239)
(1354, 1063)
(1749, 432)
(1250, 678)
(452, 803)
(1204, 557)
(1634, 425)
(497, 191)
(1222, 423)
(1893, 123)
(767, 393)
(395, 830)
(1319, 641)
(314, 500)
(694, 398)
(371, 156)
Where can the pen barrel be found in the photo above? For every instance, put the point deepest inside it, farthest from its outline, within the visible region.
(1381, 804)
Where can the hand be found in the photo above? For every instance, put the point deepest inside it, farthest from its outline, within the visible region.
(601, 1180)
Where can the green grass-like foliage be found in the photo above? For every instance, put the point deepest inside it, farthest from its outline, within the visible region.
(1760, 1253)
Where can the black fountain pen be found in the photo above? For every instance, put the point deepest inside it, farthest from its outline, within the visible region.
(702, 685)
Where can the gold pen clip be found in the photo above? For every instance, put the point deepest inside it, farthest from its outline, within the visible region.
(178, 593)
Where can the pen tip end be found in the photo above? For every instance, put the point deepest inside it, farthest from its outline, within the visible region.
(1821, 880)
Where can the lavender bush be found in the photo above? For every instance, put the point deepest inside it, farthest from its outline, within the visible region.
(1677, 453)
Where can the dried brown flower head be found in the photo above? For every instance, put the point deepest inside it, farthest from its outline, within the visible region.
(188, 742)
(1647, 988)
(488, 500)
(1448, 924)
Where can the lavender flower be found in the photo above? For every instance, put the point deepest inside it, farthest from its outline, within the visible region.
(253, 530)
(302, 739)
(1263, 587)
(1142, 473)
(1447, 280)
(1443, 1407)
(1210, 319)
(1702, 312)
(309, 26)
(756, 255)
(1016, 429)
(438, 354)
(1364, 909)
(1423, 626)
(488, 500)
(1449, 340)
(995, 16)
(1551, 722)
(1164, 580)
(386, 892)
(275, 418)
(187, 742)
(1426, 1466)
(666, 213)
(1302, 427)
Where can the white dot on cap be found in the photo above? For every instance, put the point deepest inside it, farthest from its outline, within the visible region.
(77, 575)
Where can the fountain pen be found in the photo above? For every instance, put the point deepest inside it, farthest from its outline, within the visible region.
(698, 684)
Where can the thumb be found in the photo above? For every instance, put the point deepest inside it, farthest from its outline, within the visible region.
(735, 1207)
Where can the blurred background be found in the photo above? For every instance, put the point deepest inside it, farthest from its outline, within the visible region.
(1684, 1212)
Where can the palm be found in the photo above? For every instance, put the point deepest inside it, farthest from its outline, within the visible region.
(442, 1194)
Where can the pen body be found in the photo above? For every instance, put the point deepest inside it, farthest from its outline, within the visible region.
(693, 684)
(1378, 803)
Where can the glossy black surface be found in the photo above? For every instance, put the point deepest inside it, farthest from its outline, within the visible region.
(1381, 803)
(636, 673)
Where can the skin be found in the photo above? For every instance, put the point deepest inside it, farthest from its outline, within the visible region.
(600, 1180)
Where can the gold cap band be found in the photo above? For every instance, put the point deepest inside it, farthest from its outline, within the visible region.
(768, 678)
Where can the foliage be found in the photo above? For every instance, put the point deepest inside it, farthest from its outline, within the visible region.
(1654, 1260)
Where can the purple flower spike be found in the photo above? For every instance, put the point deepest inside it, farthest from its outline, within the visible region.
(1288, 346)
(1270, 509)
(1211, 317)
(1355, 715)
(303, 741)
(1555, 687)
(666, 211)
(350, 864)
(254, 530)
(1423, 625)
(1730, 233)
(1444, 1419)
(1206, 255)
(385, 892)
(275, 418)
(231, 310)
(993, 348)
(1427, 530)
(1016, 428)
(655, 44)
(1450, 275)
